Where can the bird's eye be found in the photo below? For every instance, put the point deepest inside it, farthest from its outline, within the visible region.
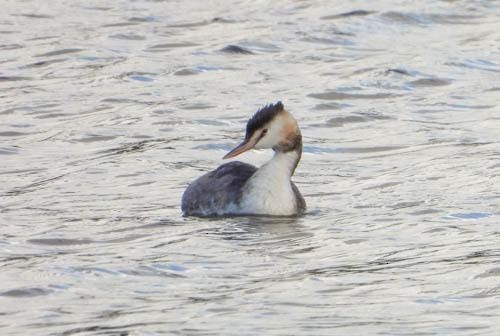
(264, 132)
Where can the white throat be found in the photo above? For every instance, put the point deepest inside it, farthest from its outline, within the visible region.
(282, 164)
(269, 190)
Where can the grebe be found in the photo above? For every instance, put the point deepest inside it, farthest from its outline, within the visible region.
(238, 188)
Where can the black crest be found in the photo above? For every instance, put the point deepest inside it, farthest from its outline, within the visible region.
(262, 117)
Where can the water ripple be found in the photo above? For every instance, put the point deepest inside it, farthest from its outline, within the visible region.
(109, 110)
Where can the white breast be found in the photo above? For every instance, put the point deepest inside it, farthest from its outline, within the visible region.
(269, 190)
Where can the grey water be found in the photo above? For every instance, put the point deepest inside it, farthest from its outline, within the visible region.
(108, 109)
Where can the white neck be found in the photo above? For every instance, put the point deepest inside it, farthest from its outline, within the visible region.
(269, 190)
(282, 164)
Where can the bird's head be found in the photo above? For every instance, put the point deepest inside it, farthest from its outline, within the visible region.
(270, 127)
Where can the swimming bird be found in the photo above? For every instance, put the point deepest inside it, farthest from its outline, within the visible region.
(238, 188)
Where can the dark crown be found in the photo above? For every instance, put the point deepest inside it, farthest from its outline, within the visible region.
(262, 117)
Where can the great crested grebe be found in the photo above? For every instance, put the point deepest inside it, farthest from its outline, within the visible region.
(238, 188)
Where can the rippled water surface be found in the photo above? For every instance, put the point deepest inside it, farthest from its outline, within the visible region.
(109, 108)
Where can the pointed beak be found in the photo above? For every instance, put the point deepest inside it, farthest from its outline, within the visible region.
(242, 147)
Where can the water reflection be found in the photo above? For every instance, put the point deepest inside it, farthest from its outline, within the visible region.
(105, 122)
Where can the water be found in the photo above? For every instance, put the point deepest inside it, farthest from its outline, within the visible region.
(109, 108)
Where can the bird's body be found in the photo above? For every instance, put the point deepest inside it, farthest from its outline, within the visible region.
(238, 188)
